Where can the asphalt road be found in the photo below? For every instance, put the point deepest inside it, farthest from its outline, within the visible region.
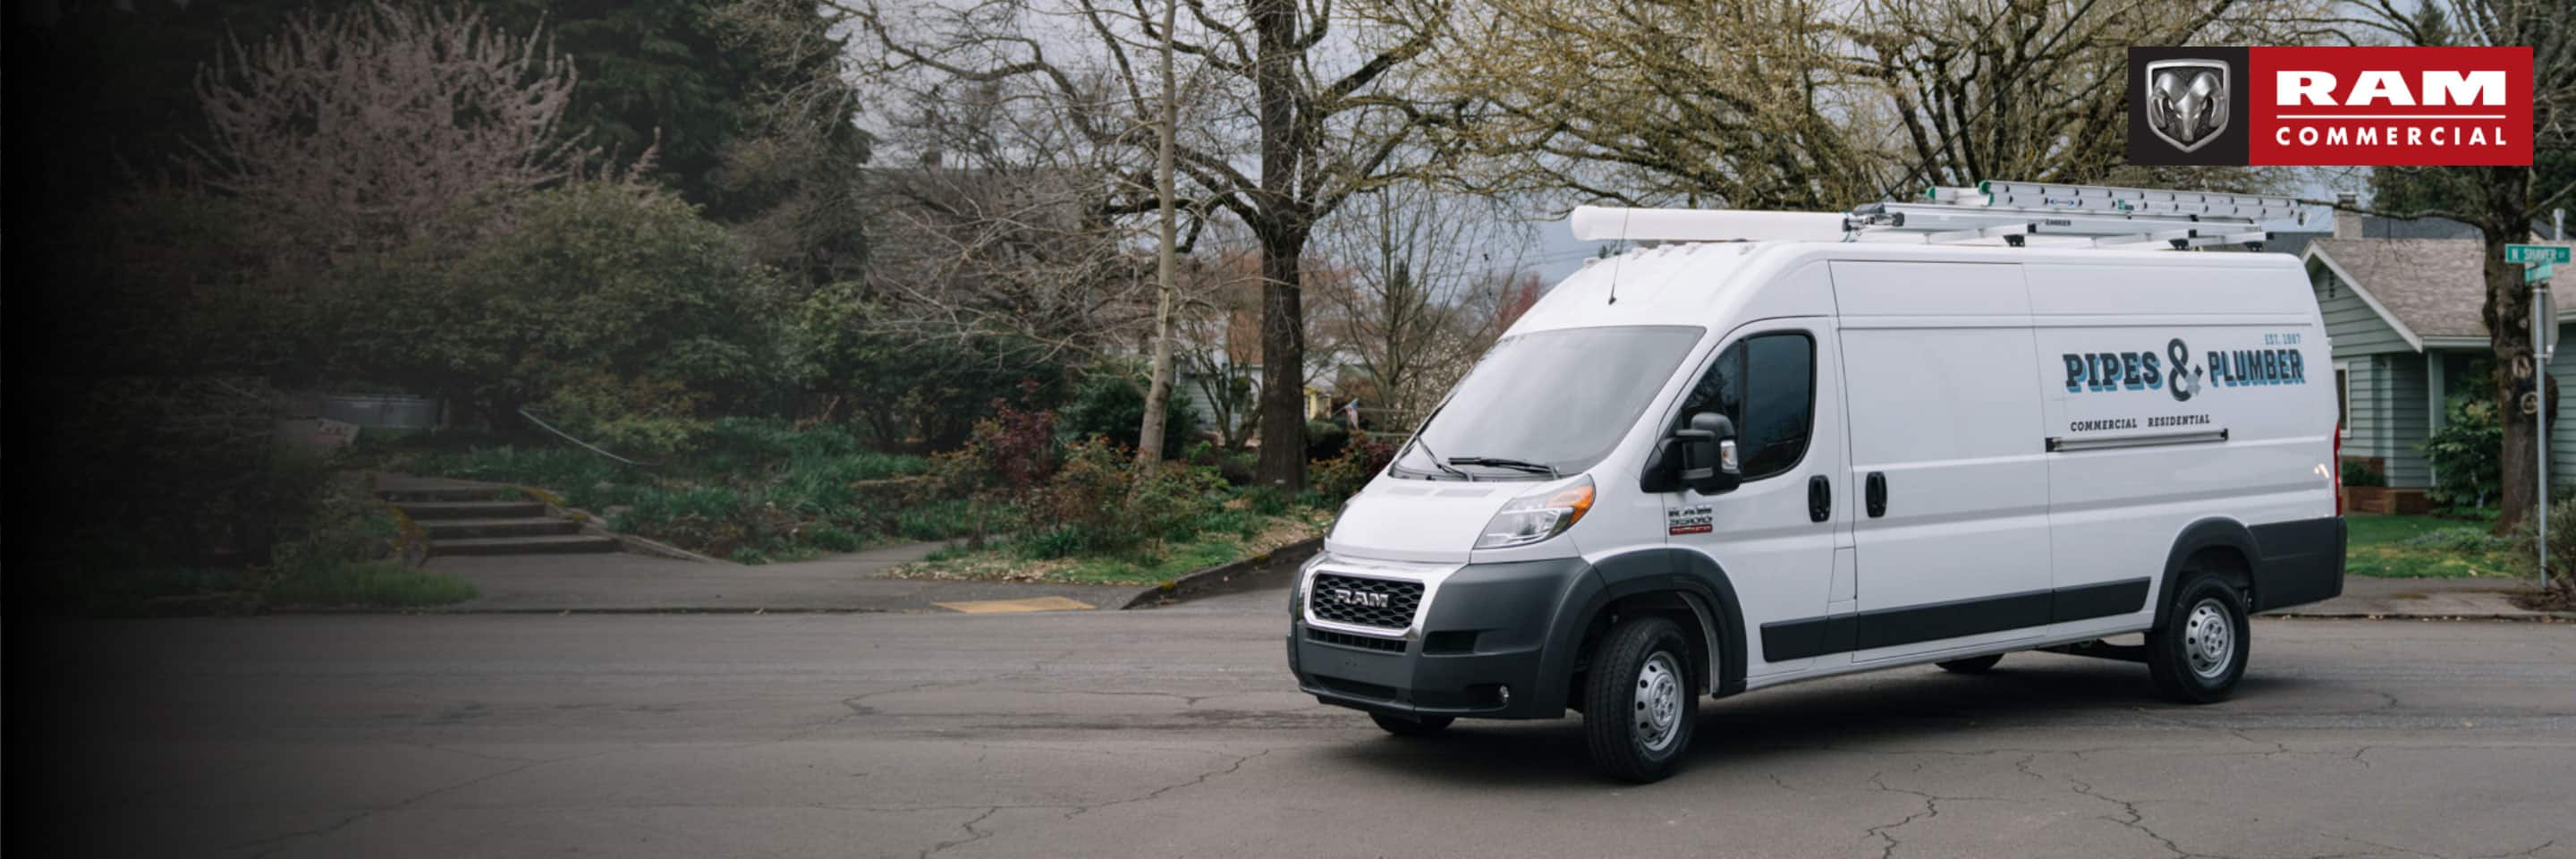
(1177, 732)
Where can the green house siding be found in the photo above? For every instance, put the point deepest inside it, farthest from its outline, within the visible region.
(2408, 418)
(2364, 433)
(2562, 436)
(2390, 415)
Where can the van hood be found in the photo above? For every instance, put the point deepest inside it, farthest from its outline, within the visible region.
(1420, 520)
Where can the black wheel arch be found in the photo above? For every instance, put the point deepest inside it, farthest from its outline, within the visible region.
(2201, 536)
(1664, 578)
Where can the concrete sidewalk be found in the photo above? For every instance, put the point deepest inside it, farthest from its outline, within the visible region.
(2365, 596)
(621, 582)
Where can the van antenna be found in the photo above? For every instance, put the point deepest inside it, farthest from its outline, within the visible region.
(1614, 261)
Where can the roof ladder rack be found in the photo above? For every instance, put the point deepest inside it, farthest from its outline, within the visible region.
(2012, 211)
(2108, 215)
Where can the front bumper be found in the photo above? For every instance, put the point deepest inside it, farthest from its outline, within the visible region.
(1480, 646)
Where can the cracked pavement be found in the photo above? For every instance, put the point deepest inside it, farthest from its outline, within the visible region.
(1177, 732)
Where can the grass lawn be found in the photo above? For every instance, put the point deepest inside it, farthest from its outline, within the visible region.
(2426, 547)
(373, 584)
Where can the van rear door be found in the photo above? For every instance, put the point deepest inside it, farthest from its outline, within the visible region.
(1952, 538)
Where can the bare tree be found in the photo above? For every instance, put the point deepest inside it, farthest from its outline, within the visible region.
(1741, 103)
(2502, 202)
(1403, 303)
(362, 127)
(1004, 225)
(1807, 104)
(1217, 335)
(2038, 89)
(1331, 118)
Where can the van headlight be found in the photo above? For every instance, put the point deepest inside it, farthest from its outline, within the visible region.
(1537, 516)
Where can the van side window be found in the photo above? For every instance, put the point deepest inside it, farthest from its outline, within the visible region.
(1766, 384)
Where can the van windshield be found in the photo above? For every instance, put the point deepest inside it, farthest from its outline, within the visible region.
(1556, 399)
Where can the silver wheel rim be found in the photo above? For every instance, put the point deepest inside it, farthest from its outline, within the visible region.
(2209, 639)
(1657, 709)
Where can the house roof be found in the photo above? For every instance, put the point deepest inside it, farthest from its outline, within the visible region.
(2426, 287)
(2432, 287)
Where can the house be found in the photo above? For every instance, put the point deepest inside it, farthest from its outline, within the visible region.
(2404, 304)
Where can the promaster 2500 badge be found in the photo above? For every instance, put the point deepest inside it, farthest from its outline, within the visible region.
(1686, 520)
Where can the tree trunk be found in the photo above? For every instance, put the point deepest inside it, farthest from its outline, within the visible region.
(1283, 365)
(2508, 318)
(1149, 436)
(1283, 227)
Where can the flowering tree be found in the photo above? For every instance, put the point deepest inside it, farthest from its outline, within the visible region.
(358, 129)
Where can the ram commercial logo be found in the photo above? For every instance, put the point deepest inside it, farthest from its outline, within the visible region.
(2330, 106)
(2187, 101)
(1365, 599)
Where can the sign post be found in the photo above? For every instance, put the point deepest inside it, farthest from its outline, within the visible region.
(2537, 261)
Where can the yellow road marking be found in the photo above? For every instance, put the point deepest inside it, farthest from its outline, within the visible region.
(1003, 606)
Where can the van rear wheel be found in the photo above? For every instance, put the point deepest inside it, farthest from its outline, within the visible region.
(1972, 665)
(2200, 652)
(1639, 704)
(1411, 726)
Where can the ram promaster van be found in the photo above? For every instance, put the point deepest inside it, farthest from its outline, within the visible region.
(1774, 447)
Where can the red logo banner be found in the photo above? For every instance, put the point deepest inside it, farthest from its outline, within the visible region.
(2394, 106)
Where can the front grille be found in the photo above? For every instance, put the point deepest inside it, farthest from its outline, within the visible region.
(1363, 642)
(1364, 602)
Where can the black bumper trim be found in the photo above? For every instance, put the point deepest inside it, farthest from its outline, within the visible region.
(1891, 627)
(2298, 562)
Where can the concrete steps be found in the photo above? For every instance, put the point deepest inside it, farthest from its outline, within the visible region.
(481, 519)
(457, 529)
(426, 512)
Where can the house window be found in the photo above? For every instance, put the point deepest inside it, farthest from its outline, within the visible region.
(2343, 398)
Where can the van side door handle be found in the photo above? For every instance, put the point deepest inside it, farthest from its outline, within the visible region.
(1874, 492)
(1820, 498)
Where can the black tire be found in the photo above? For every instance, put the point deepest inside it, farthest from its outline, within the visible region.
(2187, 664)
(1411, 726)
(1622, 700)
(1972, 665)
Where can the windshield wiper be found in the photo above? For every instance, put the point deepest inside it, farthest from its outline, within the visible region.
(1435, 459)
(1514, 464)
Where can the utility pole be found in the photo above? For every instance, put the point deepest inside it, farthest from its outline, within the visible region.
(1149, 437)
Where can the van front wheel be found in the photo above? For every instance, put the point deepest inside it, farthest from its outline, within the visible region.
(1640, 706)
(2200, 653)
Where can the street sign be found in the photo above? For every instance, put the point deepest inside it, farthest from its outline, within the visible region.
(2535, 273)
(2543, 254)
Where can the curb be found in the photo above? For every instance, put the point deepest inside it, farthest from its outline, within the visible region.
(1253, 573)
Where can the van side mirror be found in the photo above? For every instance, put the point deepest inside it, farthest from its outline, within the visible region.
(1702, 457)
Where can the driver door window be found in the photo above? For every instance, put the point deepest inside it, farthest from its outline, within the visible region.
(1766, 384)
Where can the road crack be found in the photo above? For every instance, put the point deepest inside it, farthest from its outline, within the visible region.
(972, 834)
(1157, 793)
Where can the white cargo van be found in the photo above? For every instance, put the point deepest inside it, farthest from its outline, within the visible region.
(1941, 432)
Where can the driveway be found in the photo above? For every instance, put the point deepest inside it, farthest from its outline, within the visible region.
(1177, 732)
